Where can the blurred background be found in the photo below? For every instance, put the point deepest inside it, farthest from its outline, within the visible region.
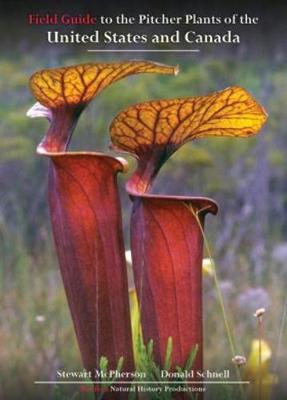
(246, 177)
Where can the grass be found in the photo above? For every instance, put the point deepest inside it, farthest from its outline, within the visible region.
(220, 298)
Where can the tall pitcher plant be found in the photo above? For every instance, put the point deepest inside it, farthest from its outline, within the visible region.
(85, 210)
(166, 238)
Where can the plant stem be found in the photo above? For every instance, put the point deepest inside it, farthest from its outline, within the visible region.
(260, 328)
(219, 295)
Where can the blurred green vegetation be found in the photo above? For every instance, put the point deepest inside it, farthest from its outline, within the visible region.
(246, 177)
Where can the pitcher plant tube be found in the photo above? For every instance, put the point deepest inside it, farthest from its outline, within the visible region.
(85, 210)
(166, 238)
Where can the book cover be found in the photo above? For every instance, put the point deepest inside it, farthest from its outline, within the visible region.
(143, 200)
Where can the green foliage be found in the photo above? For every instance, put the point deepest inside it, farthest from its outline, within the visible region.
(191, 358)
(104, 364)
(167, 361)
(152, 371)
(149, 367)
